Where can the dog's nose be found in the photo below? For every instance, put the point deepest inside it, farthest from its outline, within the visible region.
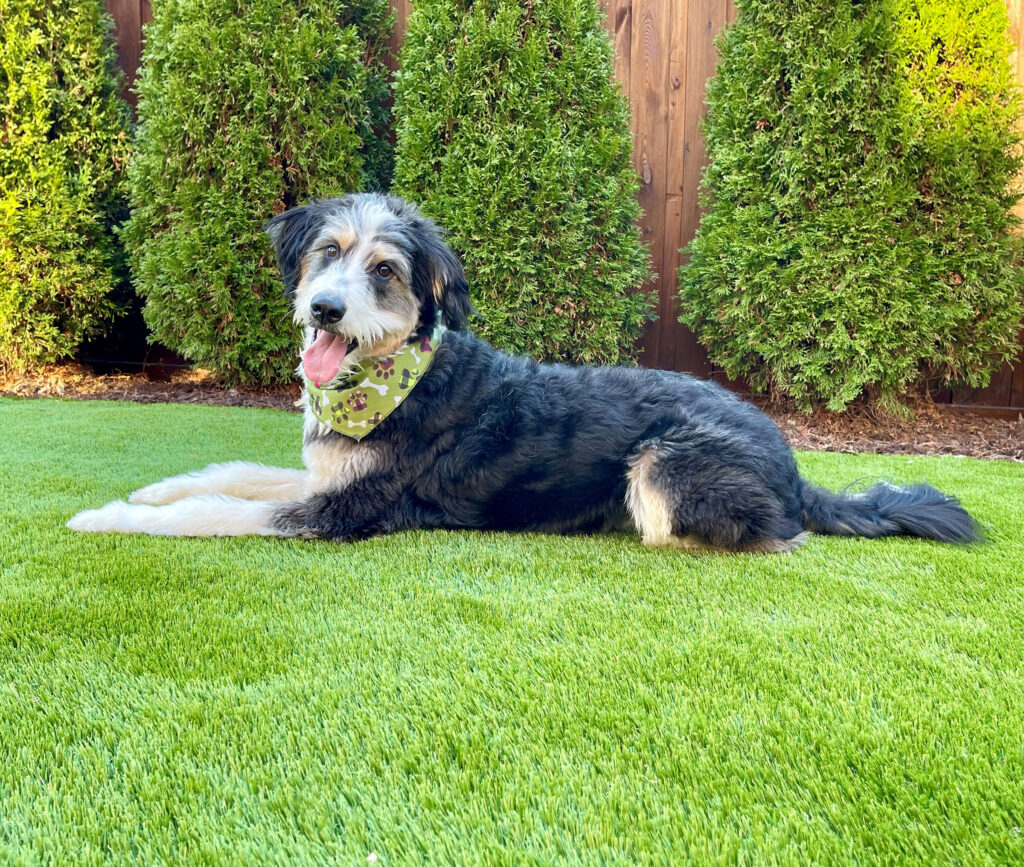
(327, 310)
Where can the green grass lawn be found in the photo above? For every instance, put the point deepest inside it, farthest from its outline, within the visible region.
(485, 698)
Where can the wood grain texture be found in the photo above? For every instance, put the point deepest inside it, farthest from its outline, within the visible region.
(128, 21)
(619, 23)
(681, 350)
(401, 10)
(705, 18)
(649, 75)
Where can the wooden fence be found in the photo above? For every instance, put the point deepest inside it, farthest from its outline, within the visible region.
(664, 54)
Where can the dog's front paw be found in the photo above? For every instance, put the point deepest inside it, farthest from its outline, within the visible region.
(114, 517)
(160, 493)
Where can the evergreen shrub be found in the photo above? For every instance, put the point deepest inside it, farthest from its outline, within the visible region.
(859, 235)
(246, 107)
(512, 134)
(63, 151)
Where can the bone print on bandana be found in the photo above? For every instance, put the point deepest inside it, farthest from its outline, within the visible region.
(373, 389)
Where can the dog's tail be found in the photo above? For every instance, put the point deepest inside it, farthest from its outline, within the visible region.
(887, 510)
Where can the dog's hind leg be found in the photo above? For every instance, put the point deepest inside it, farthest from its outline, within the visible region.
(684, 497)
(205, 515)
(244, 479)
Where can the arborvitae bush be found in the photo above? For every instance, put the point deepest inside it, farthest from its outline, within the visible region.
(512, 134)
(246, 107)
(859, 235)
(63, 149)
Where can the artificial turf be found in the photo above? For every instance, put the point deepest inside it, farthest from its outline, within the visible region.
(458, 697)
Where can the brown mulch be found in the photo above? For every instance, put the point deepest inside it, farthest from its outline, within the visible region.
(933, 430)
(78, 382)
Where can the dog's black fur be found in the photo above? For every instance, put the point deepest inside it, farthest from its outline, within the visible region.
(486, 440)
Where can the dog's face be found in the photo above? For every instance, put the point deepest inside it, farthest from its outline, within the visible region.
(365, 273)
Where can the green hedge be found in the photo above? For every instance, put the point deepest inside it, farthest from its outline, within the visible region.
(859, 236)
(245, 109)
(63, 149)
(511, 134)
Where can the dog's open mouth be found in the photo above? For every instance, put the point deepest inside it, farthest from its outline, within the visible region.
(322, 361)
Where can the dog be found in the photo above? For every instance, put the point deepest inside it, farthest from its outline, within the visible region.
(467, 437)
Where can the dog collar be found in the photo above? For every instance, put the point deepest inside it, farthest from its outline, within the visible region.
(373, 389)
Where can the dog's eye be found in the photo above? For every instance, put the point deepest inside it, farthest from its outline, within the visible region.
(384, 270)
(331, 251)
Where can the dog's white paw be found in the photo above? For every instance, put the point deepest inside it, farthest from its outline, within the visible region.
(159, 493)
(114, 517)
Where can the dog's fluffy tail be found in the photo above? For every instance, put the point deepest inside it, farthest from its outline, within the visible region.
(887, 510)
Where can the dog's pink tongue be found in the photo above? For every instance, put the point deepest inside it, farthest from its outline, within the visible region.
(323, 358)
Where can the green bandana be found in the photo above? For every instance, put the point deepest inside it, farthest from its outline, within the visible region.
(373, 388)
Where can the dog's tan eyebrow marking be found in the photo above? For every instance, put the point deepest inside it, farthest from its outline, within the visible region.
(339, 232)
(385, 253)
(344, 241)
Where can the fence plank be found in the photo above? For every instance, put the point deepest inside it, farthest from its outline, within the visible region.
(619, 23)
(649, 70)
(401, 9)
(704, 18)
(680, 349)
(128, 21)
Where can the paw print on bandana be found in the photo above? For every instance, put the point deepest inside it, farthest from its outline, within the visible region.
(318, 404)
(425, 345)
(376, 418)
(356, 401)
(384, 368)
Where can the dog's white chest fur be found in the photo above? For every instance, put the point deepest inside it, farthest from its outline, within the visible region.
(335, 462)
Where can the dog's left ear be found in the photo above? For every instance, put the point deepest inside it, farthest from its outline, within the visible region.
(290, 233)
(441, 276)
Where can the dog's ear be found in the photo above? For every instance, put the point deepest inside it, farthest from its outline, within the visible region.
(440, 274)
(291, 233)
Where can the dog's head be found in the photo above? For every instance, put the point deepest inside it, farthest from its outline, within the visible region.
(365, 273)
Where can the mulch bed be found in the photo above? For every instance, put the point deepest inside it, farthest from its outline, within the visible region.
(933, 430)
(78, 382)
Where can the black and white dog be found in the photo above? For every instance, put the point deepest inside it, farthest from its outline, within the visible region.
(488, 441)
